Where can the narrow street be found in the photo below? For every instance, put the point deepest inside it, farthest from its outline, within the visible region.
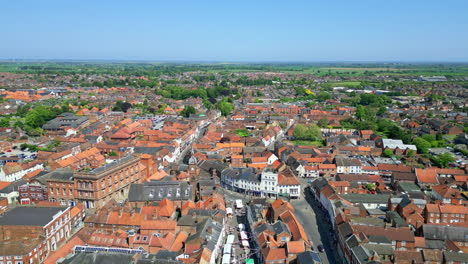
(316, 225)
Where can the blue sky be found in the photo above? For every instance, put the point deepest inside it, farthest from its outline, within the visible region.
(237, 30)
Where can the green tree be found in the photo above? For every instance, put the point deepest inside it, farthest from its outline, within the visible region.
(323, 122)
(19, 124)
(112, 153)
(410, 153)
(381, 110)
(443, 160)
(429, 137)
(300, 131)
(188, 110)
(118, 106)
(5, 122)
(388, 153)
(422, 145)
(323, 96)
(242, 132)
(360, 113)
(39, 116)
(225, 108)
(313, 132)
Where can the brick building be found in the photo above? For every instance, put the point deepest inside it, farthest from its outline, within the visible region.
(61, 187)
(27, 234)
(95, 187)
(447, 214)
(32, 193)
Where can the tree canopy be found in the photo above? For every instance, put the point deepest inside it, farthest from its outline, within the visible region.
(188, 110)
(303, 132)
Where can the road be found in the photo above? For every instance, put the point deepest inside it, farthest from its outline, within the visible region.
(309, 214)
(181, 159)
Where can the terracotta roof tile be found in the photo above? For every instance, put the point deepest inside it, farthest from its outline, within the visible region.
(426, 176)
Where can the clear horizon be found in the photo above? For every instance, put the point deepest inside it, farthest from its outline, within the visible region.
(240, 32)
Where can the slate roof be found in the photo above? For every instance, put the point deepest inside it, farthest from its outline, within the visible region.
(159, 190)
(99, 258)
(308, 257)
(61, 174)
(440, 232)
(29, 216)
(13, 187)
(202, 231)
(362, 254)
(366, 198)
(379, 249)
(455, 257)
(280, 227)
(65, 120)
(162, 257)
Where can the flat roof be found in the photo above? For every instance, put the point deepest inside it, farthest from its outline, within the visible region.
(29, 216)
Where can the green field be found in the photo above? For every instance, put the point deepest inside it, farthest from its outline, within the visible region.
(308, 143)
(160, 68)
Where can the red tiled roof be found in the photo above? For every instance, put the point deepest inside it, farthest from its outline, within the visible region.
(426, 176)
(295, 247)
(62, 252)
(296, 229)
(272, 254)
(159, 225)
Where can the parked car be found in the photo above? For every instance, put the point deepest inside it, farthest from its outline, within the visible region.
(320, 248)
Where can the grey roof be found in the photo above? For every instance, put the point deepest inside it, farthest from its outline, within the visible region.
(62, 174)
(209, 230)
(148, 150)
(255, 212)
(353, 241)
(439, 232)
(187, 220)
(345, 229)
(262, 228)
(319, 183)
(249, 175)
(99, 258)
(379, 249)
(65, 120)
(347, 162)
(455, 257)
(162, 257)
(396, 218)
(361, 253)
(214, 156)
(308, 257)
(379, 240)
(13, 187)
(409, 187)
(205, 212)
(375, 212)
(159, 190)
(280, 227)
(435, 244)
(112, 164)
(209, 165)
(29, 216)
(369, 221)
(366, 198)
